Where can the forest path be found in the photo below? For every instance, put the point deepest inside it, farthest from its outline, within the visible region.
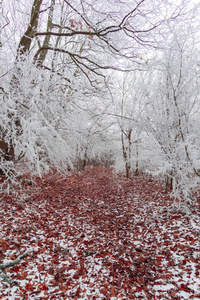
(96, 235)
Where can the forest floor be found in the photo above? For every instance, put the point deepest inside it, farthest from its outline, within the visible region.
(96, 235)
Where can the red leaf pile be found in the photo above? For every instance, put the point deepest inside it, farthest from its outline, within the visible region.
(96, 235)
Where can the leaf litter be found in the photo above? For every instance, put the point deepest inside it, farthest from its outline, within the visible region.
(96, 235)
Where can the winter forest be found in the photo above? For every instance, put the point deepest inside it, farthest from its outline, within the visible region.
(99, 130)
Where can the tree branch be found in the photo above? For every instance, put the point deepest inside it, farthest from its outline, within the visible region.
(3, 275)
(67, 33)
(13, 262)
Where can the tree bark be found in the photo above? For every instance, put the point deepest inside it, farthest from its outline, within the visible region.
(7, 148)
(25, 42)
(137, 160)
(43, 53)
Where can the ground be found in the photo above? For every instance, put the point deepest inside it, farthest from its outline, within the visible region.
(96, 235)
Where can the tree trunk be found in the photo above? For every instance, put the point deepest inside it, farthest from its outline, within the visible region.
(25, 42)
(43, 53)
(6, 152)
(137, 160)
(127, 152)
(23, 48)
(168, 183)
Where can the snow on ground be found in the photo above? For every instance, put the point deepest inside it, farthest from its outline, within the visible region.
(96, 235)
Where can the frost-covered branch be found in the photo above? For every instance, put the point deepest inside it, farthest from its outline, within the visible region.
(3, 267)
(13, 262)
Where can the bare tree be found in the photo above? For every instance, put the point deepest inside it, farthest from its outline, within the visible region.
(172, 114)
(67, 49)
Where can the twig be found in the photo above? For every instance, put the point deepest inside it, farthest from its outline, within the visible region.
(13, 262)
(8, 265)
